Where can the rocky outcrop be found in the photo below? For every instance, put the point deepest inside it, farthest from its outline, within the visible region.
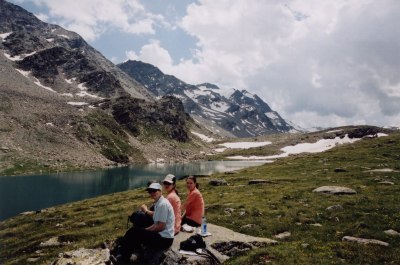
(337, 190)
(365, 241)
(166, 116)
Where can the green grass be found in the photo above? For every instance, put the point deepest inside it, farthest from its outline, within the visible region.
(285, 204)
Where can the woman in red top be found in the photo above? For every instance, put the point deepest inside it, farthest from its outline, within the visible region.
(169, 183)
(194, 206)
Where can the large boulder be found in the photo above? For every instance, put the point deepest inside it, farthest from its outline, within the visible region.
(334, 190)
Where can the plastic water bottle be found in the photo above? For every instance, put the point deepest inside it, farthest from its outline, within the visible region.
(203, 226)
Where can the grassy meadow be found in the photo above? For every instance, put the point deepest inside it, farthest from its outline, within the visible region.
(286, 203)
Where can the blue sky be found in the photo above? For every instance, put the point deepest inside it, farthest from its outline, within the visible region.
(318, 63)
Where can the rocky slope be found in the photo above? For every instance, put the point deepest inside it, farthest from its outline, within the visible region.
(60, 59)
(65, 106)
(226, 112)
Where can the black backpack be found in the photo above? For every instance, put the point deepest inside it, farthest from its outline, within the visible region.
(192, 243)
(195, 242)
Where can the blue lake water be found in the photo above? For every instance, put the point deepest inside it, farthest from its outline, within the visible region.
(30, 193)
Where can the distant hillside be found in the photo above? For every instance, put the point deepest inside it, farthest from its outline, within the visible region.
(228, 112)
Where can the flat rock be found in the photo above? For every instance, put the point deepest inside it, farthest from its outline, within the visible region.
(365, 241)
(221, 234)
(382, 170)
(258, 181)
(218, 182)
(52, 242)
(334, 190)
(392, 232)
(385, 182)
(283, 235)
(336, 207)
(223, 243)
(28, 213)
(84, 257)
(32, 260)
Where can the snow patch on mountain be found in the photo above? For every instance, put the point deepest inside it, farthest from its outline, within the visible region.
(203, 137)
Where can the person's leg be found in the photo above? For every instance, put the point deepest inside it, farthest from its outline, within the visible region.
(155, 241)
(126, 244)
(131, 242)
(190, 222)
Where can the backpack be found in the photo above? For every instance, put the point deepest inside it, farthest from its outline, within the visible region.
(192, 243)
(195, 242)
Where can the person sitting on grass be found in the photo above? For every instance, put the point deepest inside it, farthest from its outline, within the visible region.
(194, 205)
(159, 235)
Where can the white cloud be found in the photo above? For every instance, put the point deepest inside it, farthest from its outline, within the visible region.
(90, 18)
(153, 53)
(330, 62)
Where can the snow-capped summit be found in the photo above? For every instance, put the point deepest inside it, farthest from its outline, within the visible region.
(227, 112)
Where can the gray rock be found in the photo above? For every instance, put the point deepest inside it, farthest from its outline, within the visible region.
(28, 213)
(383, 170)
(259, 181)
(335, 190)
(80, 224)
(84, 257)
(248, 226)
(232, 248)
(365, 241)
(52, 242)
(385, 182)
(229, 210)
(336, 207)
(392, 232)
(218, 182)
(32, 260)
(283, 235)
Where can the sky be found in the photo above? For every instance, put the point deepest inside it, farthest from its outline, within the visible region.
(318, 63)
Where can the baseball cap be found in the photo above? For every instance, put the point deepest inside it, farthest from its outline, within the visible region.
(154, 186)
(169, 178)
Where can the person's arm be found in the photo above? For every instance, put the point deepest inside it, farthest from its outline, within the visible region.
(144, 209)
(157, 227)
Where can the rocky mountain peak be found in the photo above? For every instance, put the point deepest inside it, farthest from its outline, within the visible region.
(60, 59)
(227, 112)
(15, 18)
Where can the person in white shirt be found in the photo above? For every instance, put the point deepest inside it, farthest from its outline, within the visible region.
(159, 235)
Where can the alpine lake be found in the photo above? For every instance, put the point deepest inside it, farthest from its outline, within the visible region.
(34, 192)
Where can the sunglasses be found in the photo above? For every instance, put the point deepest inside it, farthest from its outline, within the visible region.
(151, 191)
(166, 183)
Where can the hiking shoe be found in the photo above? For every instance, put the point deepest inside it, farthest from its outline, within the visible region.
(134, 257)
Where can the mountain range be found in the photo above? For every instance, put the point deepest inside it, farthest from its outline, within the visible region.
(228, 112)
(63, 104)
